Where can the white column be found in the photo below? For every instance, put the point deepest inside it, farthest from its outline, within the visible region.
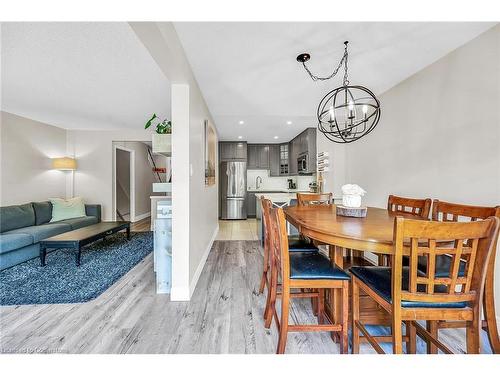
(180, 192)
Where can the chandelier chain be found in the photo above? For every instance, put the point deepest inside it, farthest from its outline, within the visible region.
(343, 61)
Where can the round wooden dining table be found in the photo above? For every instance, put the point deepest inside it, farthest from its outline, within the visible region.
(373, 233)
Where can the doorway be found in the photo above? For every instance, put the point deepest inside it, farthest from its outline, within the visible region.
(124, 185)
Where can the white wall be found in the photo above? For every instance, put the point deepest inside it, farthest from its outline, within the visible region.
(93, 150)
(439, 134)
(204, 204)
(26, 149)
(191, 243)
(336, 176)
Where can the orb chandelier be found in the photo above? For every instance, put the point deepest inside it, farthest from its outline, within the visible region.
(348, 112)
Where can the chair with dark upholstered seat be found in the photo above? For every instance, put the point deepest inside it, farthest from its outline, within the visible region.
(409, 294)
(445, 211)
(296, 245)
(301, 270)
(412, 206)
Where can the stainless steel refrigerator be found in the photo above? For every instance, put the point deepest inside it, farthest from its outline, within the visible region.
(233, 180)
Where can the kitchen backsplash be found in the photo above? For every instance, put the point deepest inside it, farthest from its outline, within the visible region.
(276, 183)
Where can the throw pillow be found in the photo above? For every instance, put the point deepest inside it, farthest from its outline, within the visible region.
(63, 209)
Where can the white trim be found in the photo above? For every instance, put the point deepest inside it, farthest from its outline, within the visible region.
(142, 216)
(180, 192)
(179, 294)
(132, 182)
(201, 265)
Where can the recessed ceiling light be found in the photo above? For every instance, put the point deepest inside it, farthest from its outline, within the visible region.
(276, 137)
(240, 137)
(242, 122)
(289, 123)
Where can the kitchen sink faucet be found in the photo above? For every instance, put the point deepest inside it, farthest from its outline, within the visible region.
(257, 183)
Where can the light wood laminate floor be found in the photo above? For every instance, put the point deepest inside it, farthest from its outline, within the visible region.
(237, 230)
(223, 316)
(143, 225)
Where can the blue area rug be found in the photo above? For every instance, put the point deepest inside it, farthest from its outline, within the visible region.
(61, 281)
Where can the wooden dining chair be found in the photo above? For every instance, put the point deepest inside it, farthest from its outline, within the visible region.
(294, 245)
(408, 294)
(418, 207)
(306, 199)
(412, 206)
(304, 270)
(446, 211)
(312, 199)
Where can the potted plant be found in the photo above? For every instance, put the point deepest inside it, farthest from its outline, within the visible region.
(162, 138)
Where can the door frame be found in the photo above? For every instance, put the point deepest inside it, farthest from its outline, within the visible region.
(132, 181)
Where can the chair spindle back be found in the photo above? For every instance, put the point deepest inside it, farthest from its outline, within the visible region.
(266, 212)
(279, 243)
(445, 211)
(419, 207)
(304, 199)
(425, 238)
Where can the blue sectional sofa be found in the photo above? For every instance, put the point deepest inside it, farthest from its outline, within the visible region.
(22, 227)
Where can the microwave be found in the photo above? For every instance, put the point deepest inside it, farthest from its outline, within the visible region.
(302, 163)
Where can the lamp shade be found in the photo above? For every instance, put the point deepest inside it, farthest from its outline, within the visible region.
(64, 164)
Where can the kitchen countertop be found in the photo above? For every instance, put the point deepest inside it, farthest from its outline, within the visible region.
(280, 196)
(278, 191)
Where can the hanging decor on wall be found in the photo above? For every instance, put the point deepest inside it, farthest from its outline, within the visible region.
(210, 146)
(348, 112)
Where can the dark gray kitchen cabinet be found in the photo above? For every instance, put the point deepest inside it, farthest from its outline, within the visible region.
(251, 204)
(293, 152)
(241, 150)
(253, 157)
(232, 151)
(274, 160)
(264, 157)
(258, 156)
(284, 159)
(311, 148)
(302, 142)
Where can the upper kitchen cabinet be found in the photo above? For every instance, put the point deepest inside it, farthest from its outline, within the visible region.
(274, 160)
(281, 159)
(303, 144)
(284, 159)
(232, 151)
(310, 141)
(253, 157)
(293, 152)
(258, 156)
(264, 157)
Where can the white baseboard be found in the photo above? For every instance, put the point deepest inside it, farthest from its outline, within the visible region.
(141, 217)
(197, 274)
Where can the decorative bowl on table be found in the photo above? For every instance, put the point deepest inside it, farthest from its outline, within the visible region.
(351, 201)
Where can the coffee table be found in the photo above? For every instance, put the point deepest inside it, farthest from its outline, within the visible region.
(78, 238)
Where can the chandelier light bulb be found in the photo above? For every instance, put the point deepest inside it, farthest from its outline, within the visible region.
(332, 114)
(352, 113)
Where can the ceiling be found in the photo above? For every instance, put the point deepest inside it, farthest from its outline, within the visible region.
(81, 75)
(248, 72)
